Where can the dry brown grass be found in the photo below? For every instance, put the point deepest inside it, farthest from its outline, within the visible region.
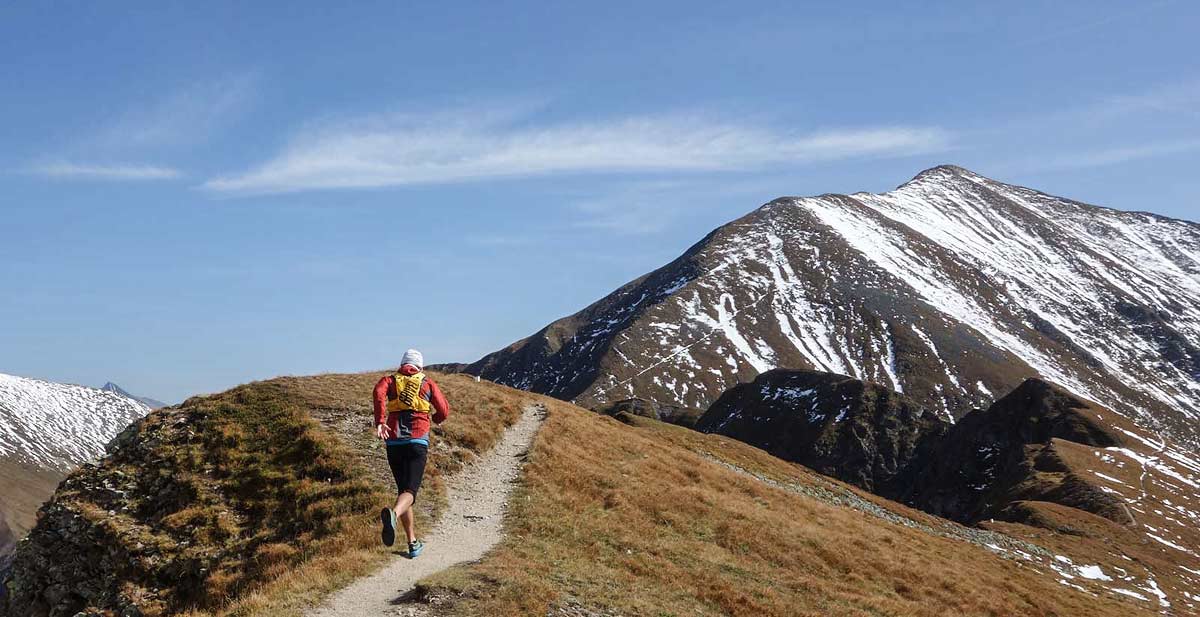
(256, 501)
(297, 577)
(641, 521)
(24, 488)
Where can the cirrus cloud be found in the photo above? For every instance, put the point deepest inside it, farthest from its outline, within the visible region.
(447, 148)
(65, 169)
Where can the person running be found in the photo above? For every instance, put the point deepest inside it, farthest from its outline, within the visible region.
(403, 405)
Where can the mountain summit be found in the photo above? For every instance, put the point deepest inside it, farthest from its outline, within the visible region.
(145, 400)
(953, 289)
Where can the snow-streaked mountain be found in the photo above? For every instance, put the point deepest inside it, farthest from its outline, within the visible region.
(952, 288)
(58, 426)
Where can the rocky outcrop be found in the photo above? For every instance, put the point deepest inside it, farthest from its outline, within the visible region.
(1039, 445)
(1014, 451)
(192, 505)
(95, 540)
(46, 430)
(671, 414)
(859, 432)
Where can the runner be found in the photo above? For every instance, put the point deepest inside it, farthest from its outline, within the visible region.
(405, 402)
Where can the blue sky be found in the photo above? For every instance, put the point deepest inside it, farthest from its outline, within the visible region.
(197, 195)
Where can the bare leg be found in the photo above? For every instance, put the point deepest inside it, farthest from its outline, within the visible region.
(406, 520)
(403, 512)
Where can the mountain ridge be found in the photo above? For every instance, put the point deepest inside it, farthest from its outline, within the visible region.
(950, 288)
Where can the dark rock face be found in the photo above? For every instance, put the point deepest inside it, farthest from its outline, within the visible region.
(953, 289)
(670, 414)
(856, 431)
(1012, 452)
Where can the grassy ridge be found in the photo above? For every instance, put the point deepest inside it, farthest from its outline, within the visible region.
(651, 520)
(255, 501)
(480, 413)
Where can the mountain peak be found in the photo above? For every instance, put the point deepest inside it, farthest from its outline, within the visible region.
(943, 173)
(950, 289)
(118, 390)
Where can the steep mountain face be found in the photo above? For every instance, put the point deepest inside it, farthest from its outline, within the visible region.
(949, 289)
(145, 400)
(856, 431)
(46, 430)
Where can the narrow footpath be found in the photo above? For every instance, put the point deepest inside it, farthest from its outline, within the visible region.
(469, 528)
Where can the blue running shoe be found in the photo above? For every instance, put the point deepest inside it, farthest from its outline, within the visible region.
(414, 548)
(388, 518)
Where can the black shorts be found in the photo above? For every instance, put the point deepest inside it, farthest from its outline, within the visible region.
(408, 466)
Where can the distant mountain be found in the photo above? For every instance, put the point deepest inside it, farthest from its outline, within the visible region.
(145, 400)
(951, 289)
(46, 430)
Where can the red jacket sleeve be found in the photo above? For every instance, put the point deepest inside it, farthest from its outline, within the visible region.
(380, 399)
(441, 407)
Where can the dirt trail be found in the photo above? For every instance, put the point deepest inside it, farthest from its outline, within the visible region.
(470, 527)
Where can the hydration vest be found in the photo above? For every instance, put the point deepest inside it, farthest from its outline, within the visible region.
(408, 394)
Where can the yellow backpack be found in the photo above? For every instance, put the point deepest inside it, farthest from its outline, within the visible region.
(408, 394)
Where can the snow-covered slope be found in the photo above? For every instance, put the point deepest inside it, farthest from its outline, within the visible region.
(952, 288)
(57, 426)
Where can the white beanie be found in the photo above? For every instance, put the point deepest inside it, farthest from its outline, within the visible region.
(414, 358)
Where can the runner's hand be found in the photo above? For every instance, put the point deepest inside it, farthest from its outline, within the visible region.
(383, 431)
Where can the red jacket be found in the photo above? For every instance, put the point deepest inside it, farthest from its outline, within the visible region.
(406, 426)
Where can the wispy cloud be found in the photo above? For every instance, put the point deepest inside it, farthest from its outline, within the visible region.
(444, 148)
(105, 172)
(152, 130)
(187, 115)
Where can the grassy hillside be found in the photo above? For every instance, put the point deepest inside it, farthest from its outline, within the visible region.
(652, 519)
(260, 500)
(24, 487)
(254, 501)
